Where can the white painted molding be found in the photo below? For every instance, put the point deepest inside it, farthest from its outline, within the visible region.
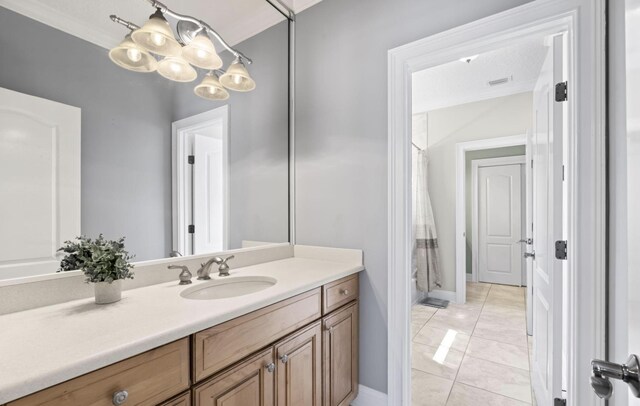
(586, 172)
(369, 397)
(482, 163)
(470, 278)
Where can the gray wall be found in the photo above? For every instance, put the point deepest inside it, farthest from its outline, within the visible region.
(469, 157)
(341, 135)
(258, 127)
(126, 133)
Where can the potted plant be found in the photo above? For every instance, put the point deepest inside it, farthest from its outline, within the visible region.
(105, 263)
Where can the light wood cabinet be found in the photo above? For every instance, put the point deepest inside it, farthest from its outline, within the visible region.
(181, 400)
(299, 368)
(249, 383)
(227, 343)
(148, 379)
(340, 353)
(339, 293)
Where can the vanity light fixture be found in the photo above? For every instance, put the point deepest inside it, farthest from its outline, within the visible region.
(194, 47)
(211, 89)
(237, 78)
(177, 69)
(202, 53)
(156, 36)
(130, 56)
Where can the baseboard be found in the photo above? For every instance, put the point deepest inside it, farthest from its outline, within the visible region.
(469, 277)
(444, 295)
(369, 397)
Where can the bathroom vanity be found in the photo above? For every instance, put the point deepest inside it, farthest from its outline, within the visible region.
(293, 343)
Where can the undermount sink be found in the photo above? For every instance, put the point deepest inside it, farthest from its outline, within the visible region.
(230, 287)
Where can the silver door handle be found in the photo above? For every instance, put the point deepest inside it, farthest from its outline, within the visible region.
(602, 371)
(528, 241)
(530, 255)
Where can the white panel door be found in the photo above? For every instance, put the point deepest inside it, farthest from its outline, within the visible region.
(547, 228)
(500, 224)
(39, 182)
(208, 195)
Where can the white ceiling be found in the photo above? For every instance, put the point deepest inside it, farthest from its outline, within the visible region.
(458, 82)
(235, 20)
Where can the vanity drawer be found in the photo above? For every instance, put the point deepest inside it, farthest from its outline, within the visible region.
(339, 293)
(182, 400)
(227, 343)
(148, 378)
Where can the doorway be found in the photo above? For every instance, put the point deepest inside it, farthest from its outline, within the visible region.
(200, 181)
(583, 327)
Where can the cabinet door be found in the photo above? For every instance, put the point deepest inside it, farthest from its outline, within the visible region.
(340, 356)
(249, 383)
(299, 368)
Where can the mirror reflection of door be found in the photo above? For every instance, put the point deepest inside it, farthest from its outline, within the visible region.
(201, 183)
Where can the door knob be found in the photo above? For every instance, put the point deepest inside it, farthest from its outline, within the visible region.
(530, 255)
(270, 367)
(120, 397)
(602, 371)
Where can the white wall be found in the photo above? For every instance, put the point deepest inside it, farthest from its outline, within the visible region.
(500, 117)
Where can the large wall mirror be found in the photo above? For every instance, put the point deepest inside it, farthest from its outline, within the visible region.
(89, 148)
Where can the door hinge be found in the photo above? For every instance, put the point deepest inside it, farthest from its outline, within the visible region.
(561, 249)
(191, 159)
(559, 402)
(192, 228)
(562, 93)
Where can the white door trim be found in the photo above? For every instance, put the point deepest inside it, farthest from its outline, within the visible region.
(179, 199)
(461, 201)
(584, 21)
(475, 165)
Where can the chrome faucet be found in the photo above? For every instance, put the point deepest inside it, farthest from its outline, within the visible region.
(223, 269)
(185, 275)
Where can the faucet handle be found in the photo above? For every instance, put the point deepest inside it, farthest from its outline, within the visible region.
(185, 276)
(223, 269)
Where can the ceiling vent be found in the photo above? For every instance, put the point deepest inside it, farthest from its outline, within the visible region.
(500, 81)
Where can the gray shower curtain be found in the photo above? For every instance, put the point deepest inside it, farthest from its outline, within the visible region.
(426, 240)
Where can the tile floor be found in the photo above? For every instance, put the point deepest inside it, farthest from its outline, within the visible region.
(472, 354)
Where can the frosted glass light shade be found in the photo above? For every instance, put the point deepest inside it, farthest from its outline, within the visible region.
(237, 78)
(130, 56)
(177, 69)
(156, 36)
(211, 89)
(202, 53)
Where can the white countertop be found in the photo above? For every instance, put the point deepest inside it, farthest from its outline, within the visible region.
(45, 346)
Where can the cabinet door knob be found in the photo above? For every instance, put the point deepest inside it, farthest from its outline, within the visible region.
(119, 397)
(345, 292)
(270, 367)
(284, 358)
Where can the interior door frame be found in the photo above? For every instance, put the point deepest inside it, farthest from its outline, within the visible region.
(180, 200)
(476, 164)
(461, 201)
(584, 21)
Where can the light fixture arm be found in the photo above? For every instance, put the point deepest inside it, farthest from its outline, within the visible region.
(182, 17)
(126, 23)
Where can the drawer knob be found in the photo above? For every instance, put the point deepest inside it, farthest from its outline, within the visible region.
(284, 358)
(345, 292)
(271, 367)
(120, 397)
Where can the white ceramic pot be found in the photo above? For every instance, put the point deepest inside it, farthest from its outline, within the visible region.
(108, 292)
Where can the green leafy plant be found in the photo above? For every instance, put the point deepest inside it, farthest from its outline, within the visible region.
(100, 260)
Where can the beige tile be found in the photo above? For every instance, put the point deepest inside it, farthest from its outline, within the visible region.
(503, 380)
(435, 337)
(510, 312)
(429, 390)
(441, 361)
(501, 353)
(464, 395)
(506, 296)
(462, 321)
(478, 289)
(502, 329)
(422, 313)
